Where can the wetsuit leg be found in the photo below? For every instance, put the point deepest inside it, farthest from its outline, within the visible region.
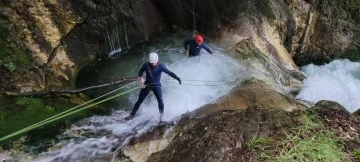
(143, 93)
(158, 94)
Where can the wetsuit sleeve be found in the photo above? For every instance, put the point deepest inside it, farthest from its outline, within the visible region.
(186, 44)
(168, 72)
(207, 49)
(141, 71)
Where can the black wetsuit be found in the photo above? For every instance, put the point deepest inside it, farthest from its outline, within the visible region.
(153, 76)
(194, 49)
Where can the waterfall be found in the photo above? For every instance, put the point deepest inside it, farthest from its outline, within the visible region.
(212, 77)
(337, 81)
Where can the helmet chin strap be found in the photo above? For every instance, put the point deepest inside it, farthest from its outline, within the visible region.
(153, 65)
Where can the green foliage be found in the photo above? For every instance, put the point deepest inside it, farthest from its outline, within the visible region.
(320, 146)
(257, 142)
(357, 153)
(10, 66)
(311, 141)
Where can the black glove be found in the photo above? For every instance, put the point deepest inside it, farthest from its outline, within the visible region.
(178, 79)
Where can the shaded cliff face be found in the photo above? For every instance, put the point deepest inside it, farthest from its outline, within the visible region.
(63, 36)
(309, 31)
(315, 31)
(327, 30)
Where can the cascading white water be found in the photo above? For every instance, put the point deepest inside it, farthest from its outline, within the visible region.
(337, 81)
(204, 79)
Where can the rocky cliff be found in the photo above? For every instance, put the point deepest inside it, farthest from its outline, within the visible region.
(45, 43)
(63, 36)
(249, 123)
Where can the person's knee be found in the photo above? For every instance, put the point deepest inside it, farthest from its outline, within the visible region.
(142, 97)
(160, 99)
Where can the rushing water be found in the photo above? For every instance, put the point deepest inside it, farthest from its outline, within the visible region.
(337, 81)
(204, 79)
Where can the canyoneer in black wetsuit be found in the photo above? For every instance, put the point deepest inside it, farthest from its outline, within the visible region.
(152, 83)
(195, 46)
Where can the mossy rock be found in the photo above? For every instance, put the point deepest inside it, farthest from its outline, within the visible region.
(12, 55)
(20, 112)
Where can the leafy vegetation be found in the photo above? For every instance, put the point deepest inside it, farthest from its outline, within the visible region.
(257, 142)
(357, 153)
(308, 142)
(10, 66)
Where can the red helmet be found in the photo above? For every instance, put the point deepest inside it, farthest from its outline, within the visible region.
(198, 38)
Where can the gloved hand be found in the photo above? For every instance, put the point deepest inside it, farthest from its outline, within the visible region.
(178, 79)
(141, 80)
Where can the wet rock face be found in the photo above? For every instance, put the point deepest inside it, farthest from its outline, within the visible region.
(249, 94)
(331, 31)
(219, 131)
(224, 136)
(63, 36)
(310, 31)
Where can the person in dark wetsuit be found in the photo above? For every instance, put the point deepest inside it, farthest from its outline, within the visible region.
(153, 75)
(196, 45)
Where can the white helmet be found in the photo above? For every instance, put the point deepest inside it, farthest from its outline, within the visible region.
(153, 57)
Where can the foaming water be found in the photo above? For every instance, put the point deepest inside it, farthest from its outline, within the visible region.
(204, 79)
(337, 81)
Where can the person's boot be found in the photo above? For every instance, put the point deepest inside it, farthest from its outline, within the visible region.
(131, 116)
(161, 116)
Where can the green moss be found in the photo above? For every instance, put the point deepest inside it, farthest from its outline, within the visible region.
(265, 7)
(311, 141)
(11, 55)
(346, 8)
(4, 52)
(357, 153)
(353, 56)
(20, 112)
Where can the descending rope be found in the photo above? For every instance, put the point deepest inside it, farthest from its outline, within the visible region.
(65, 112)
(212, 82)
(193, 13)
(58, 117)
(191, 84)
(73, 111)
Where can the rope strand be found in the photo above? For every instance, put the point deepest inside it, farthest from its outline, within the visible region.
(75, 109)
(63, 116)
(62, 113)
